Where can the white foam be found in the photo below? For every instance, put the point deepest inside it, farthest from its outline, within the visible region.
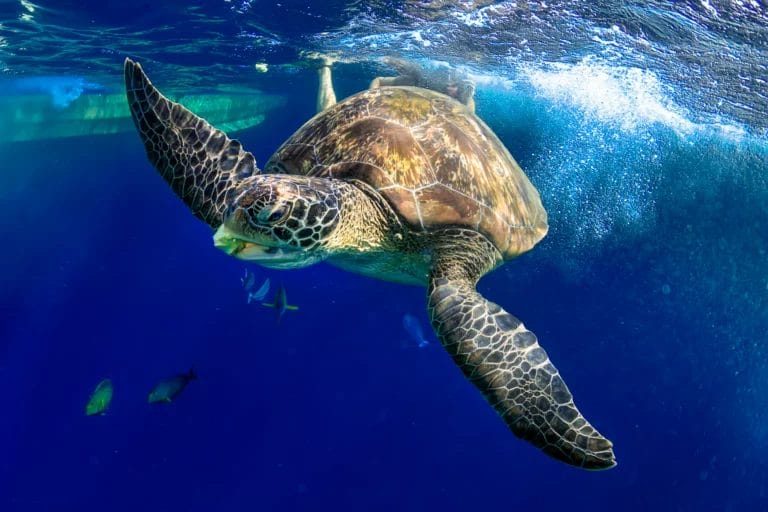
(711, 10)
(419, 38)
(626, 96)
(476, 19)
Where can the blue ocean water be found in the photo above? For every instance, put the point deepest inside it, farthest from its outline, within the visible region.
(643, 127)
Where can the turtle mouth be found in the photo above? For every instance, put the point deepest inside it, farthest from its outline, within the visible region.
(259, 250)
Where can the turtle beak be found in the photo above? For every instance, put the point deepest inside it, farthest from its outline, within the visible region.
(262, 252)
(235, 245)
(227, 241)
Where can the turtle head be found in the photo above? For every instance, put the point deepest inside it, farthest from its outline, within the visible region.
(279, 221)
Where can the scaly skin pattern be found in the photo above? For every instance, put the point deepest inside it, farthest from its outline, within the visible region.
(200, 163)
(306, 210)
(334, 216)
(372, 240)
(368, 223)
(503, 359)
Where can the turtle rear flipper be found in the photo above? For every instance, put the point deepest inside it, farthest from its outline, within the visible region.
(199, 162)
(504, 360)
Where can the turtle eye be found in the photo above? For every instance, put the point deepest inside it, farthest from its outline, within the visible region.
(274, 215)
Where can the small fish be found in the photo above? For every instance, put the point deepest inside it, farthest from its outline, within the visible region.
(413, 328)
(100, 399)
(261, 67)
(248, 280)
(280, 303)
(259, 294)
(167, 390)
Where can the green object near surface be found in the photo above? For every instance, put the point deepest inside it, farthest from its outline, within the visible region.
(100, 398)
(34, 116)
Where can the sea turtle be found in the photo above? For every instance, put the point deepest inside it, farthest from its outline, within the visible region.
(399, 183)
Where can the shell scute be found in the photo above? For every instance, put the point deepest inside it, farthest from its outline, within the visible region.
(435, 162)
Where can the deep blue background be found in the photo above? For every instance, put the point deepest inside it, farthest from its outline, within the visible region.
(104, 273)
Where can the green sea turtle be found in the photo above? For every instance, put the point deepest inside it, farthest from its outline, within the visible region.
(398, 183)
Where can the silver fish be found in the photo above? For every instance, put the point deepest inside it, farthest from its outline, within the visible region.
(248, 280)
(413, 328)
(259, 294)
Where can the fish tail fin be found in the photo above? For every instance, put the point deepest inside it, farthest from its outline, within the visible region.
(191, 374)
(291, 308)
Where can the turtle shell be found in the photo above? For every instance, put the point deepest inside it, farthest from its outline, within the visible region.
(433, 160)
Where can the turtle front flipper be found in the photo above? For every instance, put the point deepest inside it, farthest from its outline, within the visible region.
(504, 360)
(199, 162)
